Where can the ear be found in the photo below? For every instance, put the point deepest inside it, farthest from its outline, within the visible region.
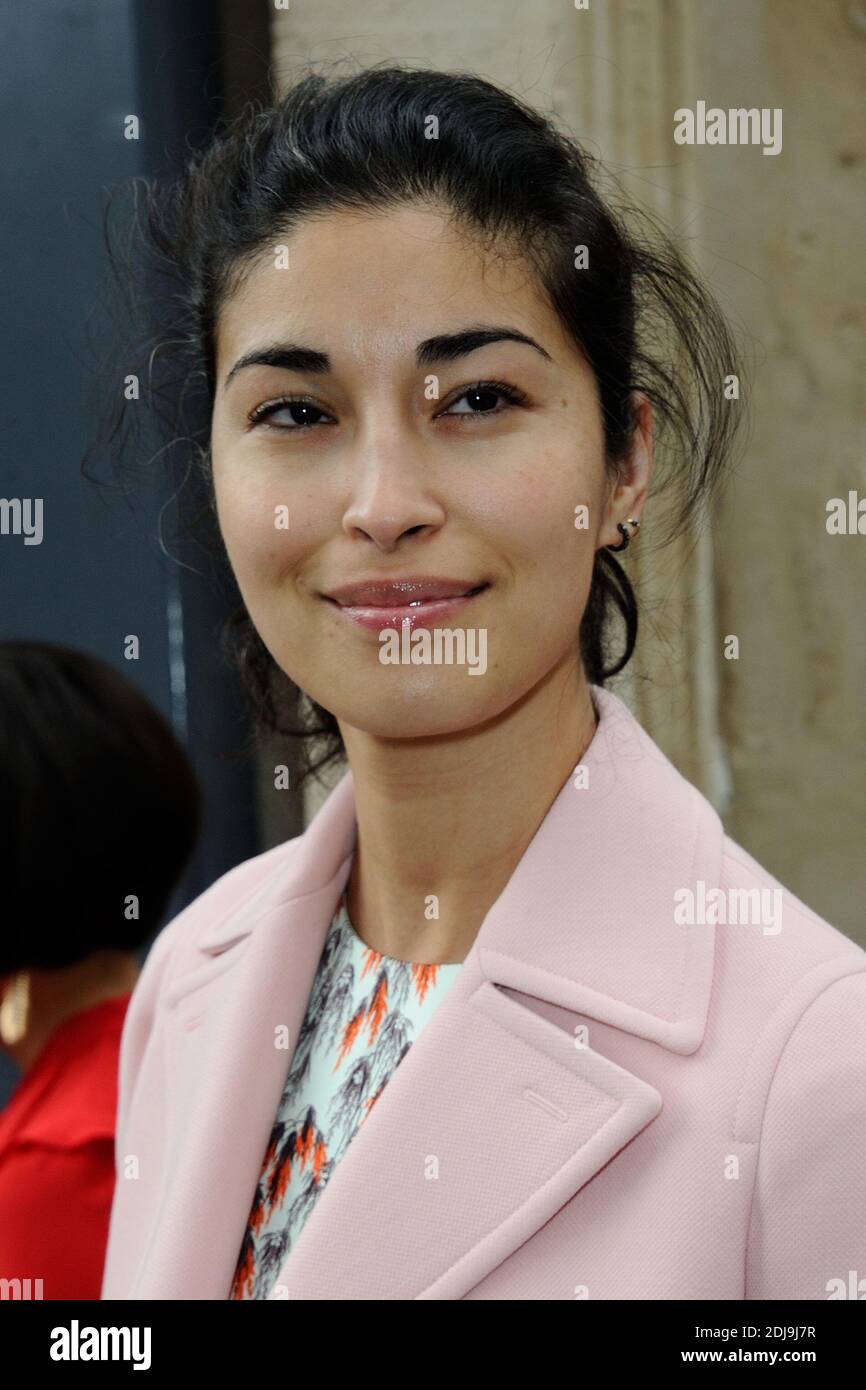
(628, 497)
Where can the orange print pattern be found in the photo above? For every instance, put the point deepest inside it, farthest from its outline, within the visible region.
(364, 1011)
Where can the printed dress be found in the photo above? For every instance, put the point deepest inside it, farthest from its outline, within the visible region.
(364, 1012)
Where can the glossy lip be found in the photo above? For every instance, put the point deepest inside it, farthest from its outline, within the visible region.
(390, 593)
(420, 608)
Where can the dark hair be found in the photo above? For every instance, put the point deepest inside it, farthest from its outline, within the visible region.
(99, 802)
(643, 319)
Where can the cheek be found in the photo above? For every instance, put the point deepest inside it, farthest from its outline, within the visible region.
(549, 529)
(262, 528)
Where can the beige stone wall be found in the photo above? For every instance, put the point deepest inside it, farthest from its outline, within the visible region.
(775, 738)
(794, 706)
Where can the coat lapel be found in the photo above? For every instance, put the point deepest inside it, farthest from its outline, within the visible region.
(495, 1117)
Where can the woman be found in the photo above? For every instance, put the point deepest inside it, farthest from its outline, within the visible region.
(99, 814)
(476, 1033)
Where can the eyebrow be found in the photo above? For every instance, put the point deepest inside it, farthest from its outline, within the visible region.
(444, 347)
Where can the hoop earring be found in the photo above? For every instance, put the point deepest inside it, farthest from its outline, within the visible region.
(622, 527)
(14, 1009)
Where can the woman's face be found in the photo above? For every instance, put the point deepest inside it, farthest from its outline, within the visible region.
(392, 471)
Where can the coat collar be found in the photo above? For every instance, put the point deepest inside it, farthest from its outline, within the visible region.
(515, 1116)
(586, 920)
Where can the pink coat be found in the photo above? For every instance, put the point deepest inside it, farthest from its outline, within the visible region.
(623, 1104)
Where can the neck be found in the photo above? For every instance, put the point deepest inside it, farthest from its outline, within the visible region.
(443, 822)
(57, 994)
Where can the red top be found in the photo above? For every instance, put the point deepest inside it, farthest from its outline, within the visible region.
(57, 1158)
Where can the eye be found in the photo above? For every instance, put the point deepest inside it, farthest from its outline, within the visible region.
(300, 405)
(481, 391)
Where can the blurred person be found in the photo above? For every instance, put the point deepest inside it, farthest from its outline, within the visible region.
(99, 814)
(494, 1026)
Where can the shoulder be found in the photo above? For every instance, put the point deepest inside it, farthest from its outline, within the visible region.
(807, 1229)
(73, 1086)
(783, 965)
(174, 949)
(797, 986)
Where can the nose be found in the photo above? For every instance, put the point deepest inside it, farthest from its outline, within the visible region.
(391, 494)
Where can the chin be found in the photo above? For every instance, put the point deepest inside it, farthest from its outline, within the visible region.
(452, 706)
(417, 724)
